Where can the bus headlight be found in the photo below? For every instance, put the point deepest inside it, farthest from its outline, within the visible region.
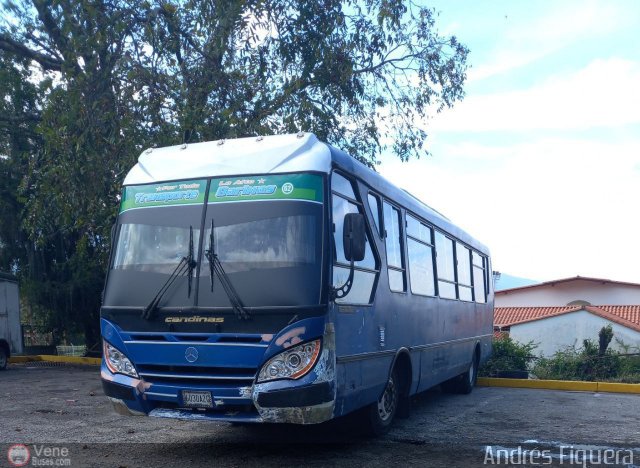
(117, 362)
(292, 363)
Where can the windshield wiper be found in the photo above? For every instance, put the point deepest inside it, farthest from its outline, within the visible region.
(186, 265)
(215, 266)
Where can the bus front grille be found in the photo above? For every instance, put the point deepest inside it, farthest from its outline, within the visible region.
(190, 375)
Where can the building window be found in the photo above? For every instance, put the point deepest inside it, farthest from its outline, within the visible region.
(579, 302)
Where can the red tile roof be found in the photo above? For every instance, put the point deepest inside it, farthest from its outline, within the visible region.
(566, 280)
(506, 316)
(627, 315)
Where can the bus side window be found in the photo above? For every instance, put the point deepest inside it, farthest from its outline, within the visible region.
(420, 257)
(344, 201)
(341, 185)
(446, 272)
(463, 255)
(393, 243)
(374, 204)
(479, 276)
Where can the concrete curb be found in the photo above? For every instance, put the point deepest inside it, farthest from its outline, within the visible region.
(569, 385)
(52, 358)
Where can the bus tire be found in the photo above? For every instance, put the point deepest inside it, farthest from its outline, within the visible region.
(463, 384)
(4, 357)
(381, 413)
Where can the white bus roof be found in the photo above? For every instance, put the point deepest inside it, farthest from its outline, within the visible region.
(255, 155)
(275, 154)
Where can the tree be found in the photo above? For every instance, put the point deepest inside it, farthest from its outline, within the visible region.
(18, 139)
(70, 183)
(102, 79)
(360, 74)
(605, 335)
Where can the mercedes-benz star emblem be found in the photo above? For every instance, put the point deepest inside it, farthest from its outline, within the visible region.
(191, 354)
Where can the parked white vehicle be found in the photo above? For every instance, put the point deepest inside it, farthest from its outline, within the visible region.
(10, 330)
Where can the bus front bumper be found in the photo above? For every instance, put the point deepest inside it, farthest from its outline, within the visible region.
(266, 402)
(311, 404)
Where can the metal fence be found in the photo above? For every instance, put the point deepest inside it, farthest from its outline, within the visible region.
(71, 350)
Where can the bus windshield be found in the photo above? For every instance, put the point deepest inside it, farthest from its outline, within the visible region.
(150, 244)
(152, 247)
(270, 251)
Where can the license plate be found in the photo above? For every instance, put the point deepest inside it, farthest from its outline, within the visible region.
(195, 399)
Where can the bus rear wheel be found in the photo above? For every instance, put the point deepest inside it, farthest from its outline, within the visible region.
(382, 412)
(4, 358)
(463, 383)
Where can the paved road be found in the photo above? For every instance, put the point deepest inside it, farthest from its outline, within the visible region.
(63, 407)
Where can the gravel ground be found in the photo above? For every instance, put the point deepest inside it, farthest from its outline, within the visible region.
(63, 407)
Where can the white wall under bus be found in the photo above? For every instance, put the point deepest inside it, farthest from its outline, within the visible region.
(10, 329)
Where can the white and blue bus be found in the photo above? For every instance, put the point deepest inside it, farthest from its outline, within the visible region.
(277, 279)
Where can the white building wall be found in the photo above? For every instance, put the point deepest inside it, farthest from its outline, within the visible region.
(561, 294)
(555, 333)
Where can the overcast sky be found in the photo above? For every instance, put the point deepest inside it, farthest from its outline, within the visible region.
(541, 161)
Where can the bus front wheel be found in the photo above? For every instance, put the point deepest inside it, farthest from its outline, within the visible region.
(381, 413)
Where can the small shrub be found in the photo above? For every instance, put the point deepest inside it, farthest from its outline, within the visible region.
(592, 362)
(564, 365)
(604, 337)
(508, 355)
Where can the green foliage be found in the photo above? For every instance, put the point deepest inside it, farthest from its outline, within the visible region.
(593, 362)
(80, 144)
(604, 338)
(18, 139)
(508, 355)
(359, 74)
(587, 364)
(86, 85)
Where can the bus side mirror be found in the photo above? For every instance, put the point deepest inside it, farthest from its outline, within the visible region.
(354, 238)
